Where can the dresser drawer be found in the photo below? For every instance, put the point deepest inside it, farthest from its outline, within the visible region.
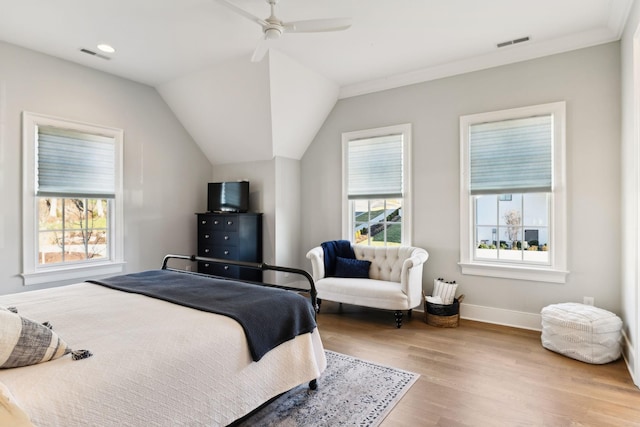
(225, 237)
(230, 223)
(221, 252)
(209, 223)
(210, 238)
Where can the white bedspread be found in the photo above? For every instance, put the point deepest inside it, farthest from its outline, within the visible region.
(154, 363)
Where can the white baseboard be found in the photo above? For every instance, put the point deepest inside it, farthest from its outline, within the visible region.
(500, 316)
(628, 353)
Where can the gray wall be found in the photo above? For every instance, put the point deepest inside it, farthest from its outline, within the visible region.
(165, 173)
(289, 220)
(630, 220)
(587, 79)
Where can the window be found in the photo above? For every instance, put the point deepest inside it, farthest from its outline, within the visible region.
(72, 199)
(512, 198)
(376, 187)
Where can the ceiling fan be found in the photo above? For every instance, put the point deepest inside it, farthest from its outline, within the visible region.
(273, 28)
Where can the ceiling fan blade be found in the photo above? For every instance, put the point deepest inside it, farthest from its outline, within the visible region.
(318, 25)
(261, 50)
(243, 12)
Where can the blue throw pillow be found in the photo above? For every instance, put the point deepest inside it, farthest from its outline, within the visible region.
(352, 268)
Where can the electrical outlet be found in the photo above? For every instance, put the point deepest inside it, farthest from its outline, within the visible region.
(588, 301)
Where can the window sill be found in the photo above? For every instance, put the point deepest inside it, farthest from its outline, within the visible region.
(517, 272)
(69, 274)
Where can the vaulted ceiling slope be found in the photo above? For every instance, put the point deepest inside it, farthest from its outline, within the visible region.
(196, 53)
(241, 111)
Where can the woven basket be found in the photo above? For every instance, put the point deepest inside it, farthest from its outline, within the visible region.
(441, 315)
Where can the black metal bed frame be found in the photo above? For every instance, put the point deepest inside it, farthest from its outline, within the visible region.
(256, 266)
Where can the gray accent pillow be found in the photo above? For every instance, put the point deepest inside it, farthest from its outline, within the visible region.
(24, 342)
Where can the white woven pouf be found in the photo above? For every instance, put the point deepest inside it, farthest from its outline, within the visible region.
(582, 332)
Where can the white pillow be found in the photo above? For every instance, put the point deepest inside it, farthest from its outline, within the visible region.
(446, 291)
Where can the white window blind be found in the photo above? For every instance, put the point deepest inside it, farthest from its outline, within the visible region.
(74, 164)
(511, 156)
(375, 167)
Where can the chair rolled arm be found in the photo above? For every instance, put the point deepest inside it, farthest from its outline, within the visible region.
(411, 278)
(419, 257)
(316, 255)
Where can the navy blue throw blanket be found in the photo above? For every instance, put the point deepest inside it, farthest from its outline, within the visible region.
(332, 250)
(269, 316)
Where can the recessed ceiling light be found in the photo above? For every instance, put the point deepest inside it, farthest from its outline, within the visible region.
(106, 48)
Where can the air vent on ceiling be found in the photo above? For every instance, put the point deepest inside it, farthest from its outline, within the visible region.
(92, 53)
(515, 41)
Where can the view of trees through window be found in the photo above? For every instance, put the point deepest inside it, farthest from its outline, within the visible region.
(512, 227)
(377, 222)
(72, 229)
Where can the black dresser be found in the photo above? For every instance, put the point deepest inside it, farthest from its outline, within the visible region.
(232, 236)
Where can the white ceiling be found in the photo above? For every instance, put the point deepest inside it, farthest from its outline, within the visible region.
(183, 46)
(160, 40)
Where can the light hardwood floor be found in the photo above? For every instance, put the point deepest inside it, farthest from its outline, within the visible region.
(481, 374)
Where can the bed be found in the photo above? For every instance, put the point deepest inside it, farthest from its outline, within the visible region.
(153, 363)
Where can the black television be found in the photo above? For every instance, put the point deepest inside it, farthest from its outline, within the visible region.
(232, 196)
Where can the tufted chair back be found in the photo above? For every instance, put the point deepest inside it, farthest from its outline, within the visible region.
(386, 262)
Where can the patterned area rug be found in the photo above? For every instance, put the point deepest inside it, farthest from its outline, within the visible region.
(351, 392)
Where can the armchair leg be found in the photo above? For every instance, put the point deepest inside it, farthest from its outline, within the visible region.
(409, 313)
(398, 315)
(318, 303)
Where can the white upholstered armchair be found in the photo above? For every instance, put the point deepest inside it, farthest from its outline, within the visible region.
(394, 280)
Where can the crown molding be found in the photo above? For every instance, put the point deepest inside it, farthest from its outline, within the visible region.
(618, 14)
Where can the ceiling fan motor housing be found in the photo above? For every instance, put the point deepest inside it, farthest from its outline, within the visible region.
(273, 28)
(273, 32)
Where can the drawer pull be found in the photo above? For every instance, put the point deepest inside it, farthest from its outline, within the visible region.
(226, 267)
(229, 222)
(216, 222)
(226, 237)
(226, 252)
(206, 236)
(204, 221)
(207, 265)
(206, 251)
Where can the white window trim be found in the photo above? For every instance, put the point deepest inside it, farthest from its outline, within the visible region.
(405, 130)
(556, 272)
(32, 273)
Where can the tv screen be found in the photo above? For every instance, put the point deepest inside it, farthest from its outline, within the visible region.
(228, 196)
